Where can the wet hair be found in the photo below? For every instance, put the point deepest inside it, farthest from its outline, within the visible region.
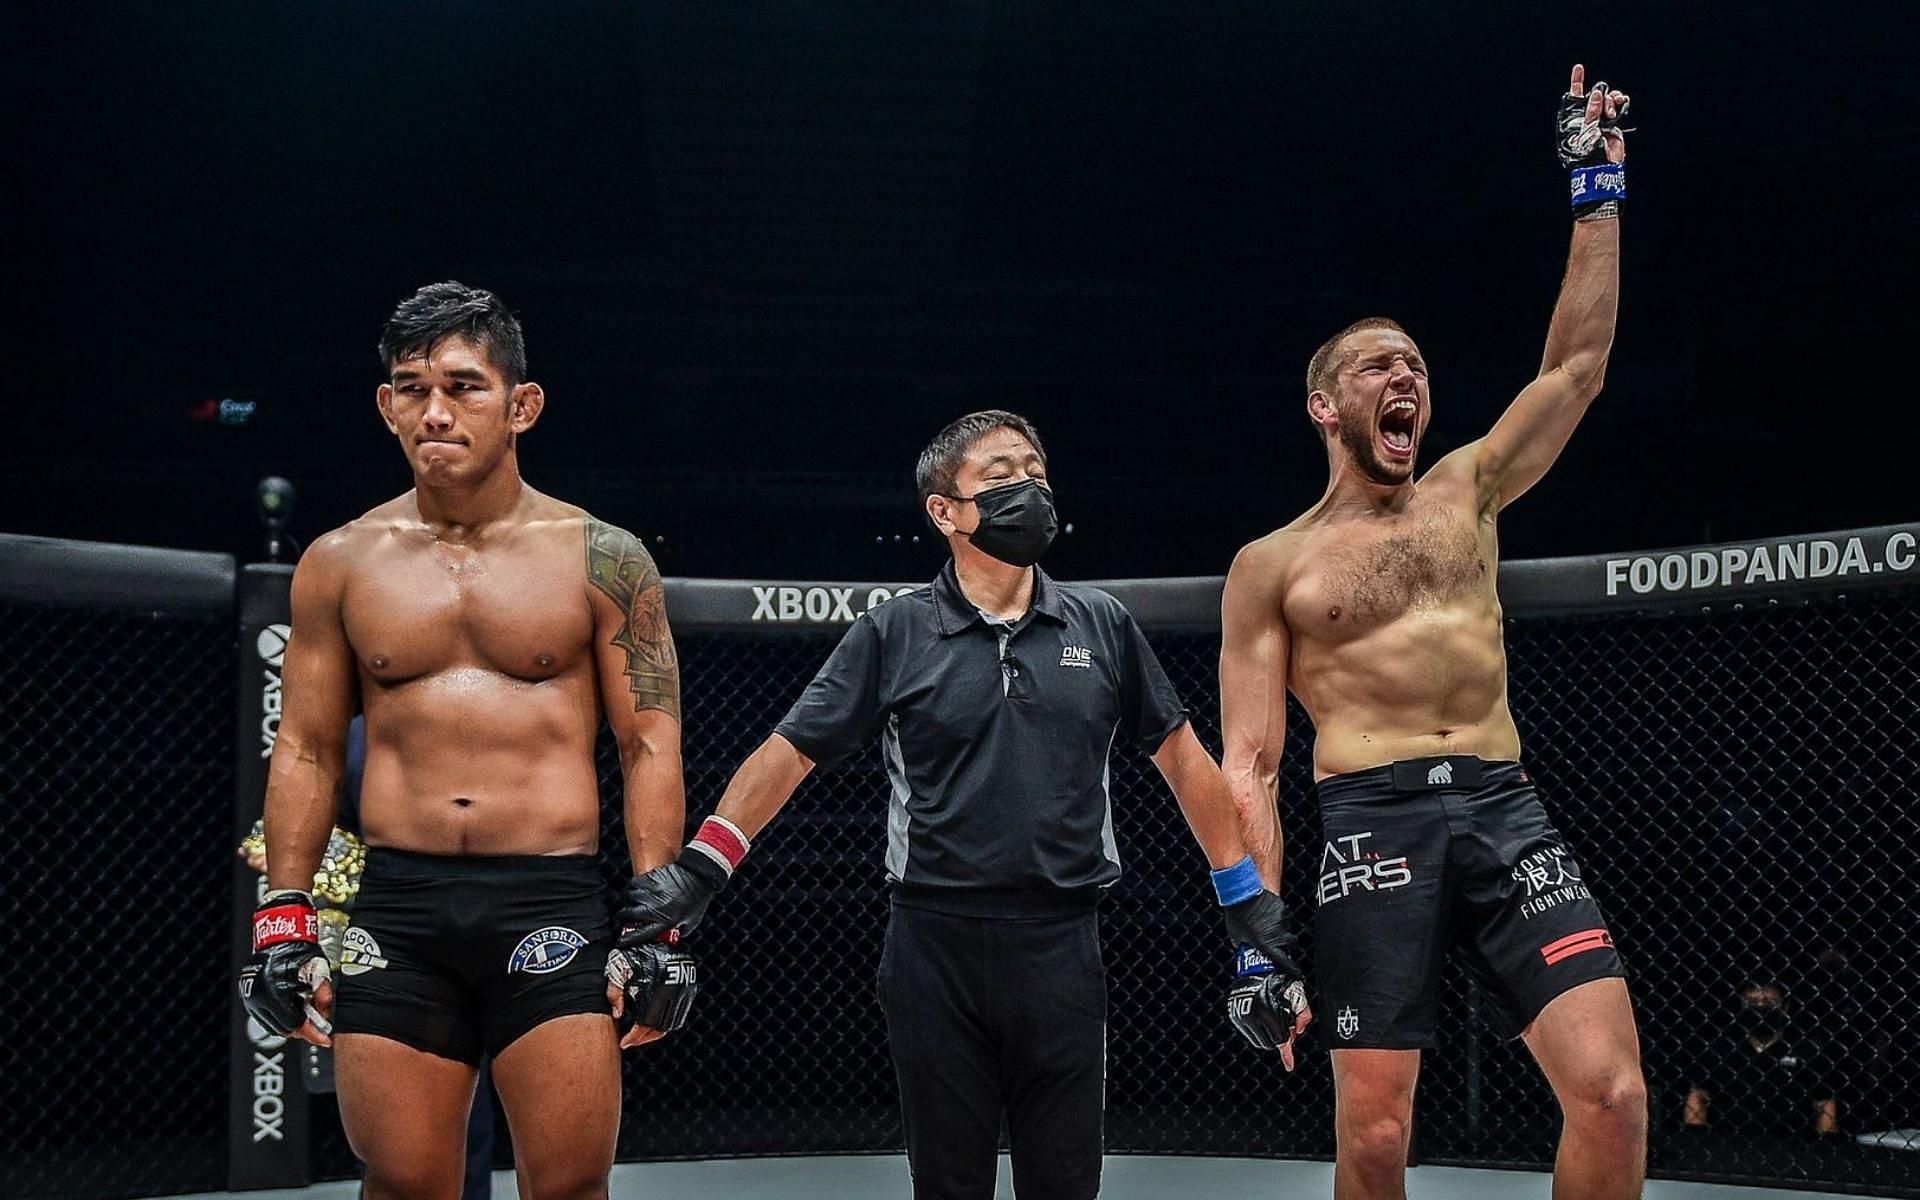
(938, 470)
(1327, 360)
(439, 311)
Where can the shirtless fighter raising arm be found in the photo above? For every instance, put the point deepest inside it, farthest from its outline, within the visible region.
(485, 629)
(1377, 608)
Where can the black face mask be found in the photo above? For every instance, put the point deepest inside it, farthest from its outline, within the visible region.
(1017, 522)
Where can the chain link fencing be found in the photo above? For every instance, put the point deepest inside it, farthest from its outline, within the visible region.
(116, 768)
(1736, 783)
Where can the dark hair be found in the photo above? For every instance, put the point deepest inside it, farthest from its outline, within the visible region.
(442, 310)
(940, 462)
(1327, 360)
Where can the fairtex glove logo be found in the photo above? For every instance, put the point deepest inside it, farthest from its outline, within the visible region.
(284, 925)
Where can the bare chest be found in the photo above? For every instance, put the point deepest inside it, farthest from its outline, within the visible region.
(430, 607)
(1362, 574)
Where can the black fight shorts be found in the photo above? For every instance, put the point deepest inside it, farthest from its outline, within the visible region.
(461, 956)
(1431, 853)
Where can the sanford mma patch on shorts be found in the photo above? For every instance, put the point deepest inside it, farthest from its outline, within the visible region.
(1425, 855)
(461, 956)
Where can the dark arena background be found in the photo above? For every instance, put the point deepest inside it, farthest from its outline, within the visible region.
(763, 250)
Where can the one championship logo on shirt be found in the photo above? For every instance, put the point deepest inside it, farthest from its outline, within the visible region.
(545, 950)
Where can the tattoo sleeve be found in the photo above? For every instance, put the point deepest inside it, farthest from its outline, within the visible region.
(622, 569)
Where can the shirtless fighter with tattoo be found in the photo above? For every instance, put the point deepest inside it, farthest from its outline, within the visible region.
(486, 630)
(1377, 608)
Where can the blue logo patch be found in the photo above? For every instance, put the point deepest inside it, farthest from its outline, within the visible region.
(1251, 962)
(545, 950)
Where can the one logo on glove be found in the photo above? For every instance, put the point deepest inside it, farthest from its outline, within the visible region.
(1251, 962)
(545, 951)
(1348, 1023)
(359, 953)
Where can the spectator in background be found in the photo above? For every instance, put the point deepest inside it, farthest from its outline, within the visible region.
(1765, 1072)
(1869, 1022)
(479, 1177)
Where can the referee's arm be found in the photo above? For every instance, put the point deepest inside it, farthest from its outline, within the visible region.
(1151, 712)
(1204, 798)
(837, 714)
(763, 785)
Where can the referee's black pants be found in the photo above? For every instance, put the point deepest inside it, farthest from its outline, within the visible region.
(993, 1017)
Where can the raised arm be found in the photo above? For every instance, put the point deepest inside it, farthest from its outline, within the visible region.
(319, 692)
(1253, 699)
(1529, 436)
(639, 689)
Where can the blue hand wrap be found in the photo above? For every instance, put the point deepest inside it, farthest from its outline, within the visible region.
(1241, 881)
(1249, 963)
(1589, 186)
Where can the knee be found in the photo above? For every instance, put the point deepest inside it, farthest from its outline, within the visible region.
(571, 1186)
(1376, 1141)
(1613, 1107)
(408, 1181)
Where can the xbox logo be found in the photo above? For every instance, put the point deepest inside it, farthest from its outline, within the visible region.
(272, 643)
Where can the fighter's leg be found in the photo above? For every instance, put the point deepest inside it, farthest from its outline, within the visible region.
(1539, 938)
(1372, 1122)
(1381, 933)
(1586, 1043)
(560, 1085)
(405, 1113)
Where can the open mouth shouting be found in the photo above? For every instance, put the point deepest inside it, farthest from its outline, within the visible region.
(1399, 421)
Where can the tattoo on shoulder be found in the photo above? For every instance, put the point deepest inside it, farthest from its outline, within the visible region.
(622, 569)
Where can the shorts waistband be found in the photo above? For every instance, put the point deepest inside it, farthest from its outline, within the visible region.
(413, 864)
(1438, 773)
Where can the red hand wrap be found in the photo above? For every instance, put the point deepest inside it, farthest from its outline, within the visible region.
(723, 837)
(292, 922)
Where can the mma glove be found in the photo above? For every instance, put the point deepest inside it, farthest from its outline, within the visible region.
(1597, 187)
(668, 903)
(1269, 991)
(287, 967)
(1264, 1007)
(660, 907)
(659, 984)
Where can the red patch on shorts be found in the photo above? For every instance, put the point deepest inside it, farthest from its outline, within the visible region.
(1576, 943)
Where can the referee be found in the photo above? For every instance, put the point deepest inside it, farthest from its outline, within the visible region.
(996, 693)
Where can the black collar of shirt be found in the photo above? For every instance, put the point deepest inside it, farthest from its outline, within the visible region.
(957, 613)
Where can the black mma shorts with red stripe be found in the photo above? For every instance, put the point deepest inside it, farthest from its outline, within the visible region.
(1426, 855)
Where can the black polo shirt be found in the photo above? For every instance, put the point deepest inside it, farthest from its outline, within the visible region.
(995, 737)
